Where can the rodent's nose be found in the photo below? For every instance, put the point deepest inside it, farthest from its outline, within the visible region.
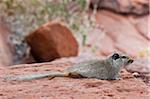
(130, 61)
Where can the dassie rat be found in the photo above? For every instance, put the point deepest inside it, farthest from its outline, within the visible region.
(106, 69)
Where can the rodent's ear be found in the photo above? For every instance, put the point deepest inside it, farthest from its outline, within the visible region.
(124, 57)
(115, 56)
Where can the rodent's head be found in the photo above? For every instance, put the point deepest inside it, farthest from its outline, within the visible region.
(120, 60)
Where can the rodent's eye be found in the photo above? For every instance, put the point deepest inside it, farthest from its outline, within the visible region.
(115, 56)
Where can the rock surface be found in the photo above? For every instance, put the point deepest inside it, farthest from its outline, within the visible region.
(120, 34)
(139, 7)
(68, 88)
(142, 24)
(51, 41)
(6, 49)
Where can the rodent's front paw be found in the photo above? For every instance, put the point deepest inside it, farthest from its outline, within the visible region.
(118, 78)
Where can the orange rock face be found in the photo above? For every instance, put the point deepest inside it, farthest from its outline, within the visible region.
(51, 41)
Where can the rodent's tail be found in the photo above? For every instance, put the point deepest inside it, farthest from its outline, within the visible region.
(37, 76)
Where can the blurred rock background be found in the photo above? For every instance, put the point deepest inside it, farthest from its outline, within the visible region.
(104, 29)
(23, 17)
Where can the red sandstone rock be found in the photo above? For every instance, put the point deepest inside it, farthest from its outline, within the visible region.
(6, 57)
(51, 41)
(68, 88)
(139, 7)
(124, 36)
(142, 25)
(103, 43)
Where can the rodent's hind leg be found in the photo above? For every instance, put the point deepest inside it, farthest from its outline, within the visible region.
(50, 78)
(70, 74)
(75, 75)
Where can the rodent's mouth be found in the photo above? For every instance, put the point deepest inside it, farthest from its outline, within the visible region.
(130, 61)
